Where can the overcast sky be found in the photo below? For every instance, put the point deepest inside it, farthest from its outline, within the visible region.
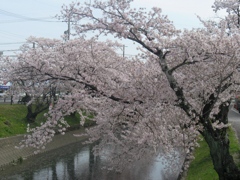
(16, 24)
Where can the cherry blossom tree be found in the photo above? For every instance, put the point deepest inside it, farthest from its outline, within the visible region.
(232, 9)
(155, 106)
(36, 95)
(199, 65)
(122, 94)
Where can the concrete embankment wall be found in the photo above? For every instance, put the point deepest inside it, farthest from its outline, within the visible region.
(10, 154)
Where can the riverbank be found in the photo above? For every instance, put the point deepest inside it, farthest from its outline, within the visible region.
(201, 167)
(9, 155)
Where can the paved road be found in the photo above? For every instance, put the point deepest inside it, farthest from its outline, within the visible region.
(234, 119)
(8, 152)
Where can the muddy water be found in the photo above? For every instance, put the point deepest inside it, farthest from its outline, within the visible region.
(76, 162)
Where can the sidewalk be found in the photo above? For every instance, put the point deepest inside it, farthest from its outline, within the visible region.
(9, 154)
(234, 120)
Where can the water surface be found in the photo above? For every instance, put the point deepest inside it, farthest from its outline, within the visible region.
(77, 162)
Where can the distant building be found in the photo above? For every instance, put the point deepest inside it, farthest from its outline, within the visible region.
(4, 86)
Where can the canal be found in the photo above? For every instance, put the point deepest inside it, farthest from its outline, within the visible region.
(77, 162)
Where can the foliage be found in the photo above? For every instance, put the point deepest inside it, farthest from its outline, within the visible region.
(141, 108)
(74, 120)
(14, 115)
(20, 160)
(201, 168)
(13, 121)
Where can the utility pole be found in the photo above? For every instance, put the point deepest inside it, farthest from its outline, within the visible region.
(67, 32)
(69, 28)
(1, 53)
(124, 50)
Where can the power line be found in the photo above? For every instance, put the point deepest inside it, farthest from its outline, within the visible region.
(10, 50)
(23, 18)
(10, 34)
(12, 43)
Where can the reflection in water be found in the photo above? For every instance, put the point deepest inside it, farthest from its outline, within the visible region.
(76, 162)
(43, 174)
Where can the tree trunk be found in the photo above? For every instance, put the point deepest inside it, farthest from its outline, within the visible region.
(218, 143)
(222, 160)
(31, 116)
(34, 109)
(11, 99)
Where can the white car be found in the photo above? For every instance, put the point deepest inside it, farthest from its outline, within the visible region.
(2, 94)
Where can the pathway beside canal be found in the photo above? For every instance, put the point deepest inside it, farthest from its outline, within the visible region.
(10, 154)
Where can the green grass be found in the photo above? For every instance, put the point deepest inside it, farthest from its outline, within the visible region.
(13, 121)
(74, 120)
(201, 168)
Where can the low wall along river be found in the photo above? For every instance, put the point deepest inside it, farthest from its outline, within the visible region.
(66, 158)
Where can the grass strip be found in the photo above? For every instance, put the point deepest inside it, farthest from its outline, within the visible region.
(201, 168)
(13, 120)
